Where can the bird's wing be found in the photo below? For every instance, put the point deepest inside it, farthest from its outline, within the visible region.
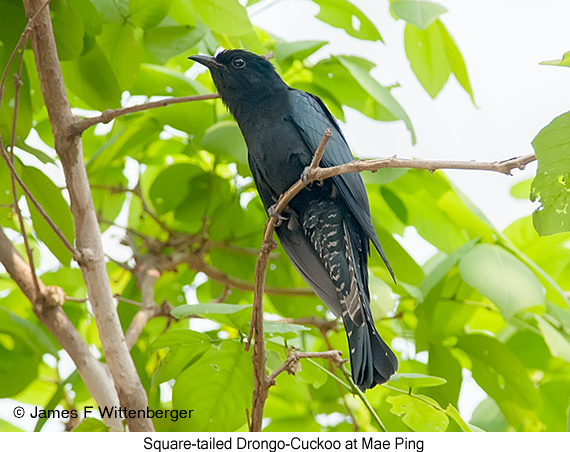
(308, 264)
(311, 118)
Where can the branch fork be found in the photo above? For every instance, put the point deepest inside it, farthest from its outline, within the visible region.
(292, 363)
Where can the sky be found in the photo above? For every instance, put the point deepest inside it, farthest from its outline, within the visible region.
(502, 43)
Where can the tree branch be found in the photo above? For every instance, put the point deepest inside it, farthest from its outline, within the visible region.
(290, 364)
(261, 387)
(503, 166)
(146, 276)
(322, 324)
(74, 252)
(92, 263)
(47, 307)
(108, 115)
(196, 262)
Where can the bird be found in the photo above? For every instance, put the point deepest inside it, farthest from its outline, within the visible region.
(326, 229)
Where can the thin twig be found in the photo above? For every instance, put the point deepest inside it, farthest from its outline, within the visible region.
(117, 297)
(75, 300)
(295, 356)
(74, 252)
(17, 85)
(356, 390)
(322, 324)
(23, 38)
(339, 386)
(196, 262)
(108, 115)
(223, 297)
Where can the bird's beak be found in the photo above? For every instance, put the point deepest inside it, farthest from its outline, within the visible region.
(208, 61)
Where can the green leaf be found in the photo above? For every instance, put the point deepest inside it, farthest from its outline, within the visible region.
(89, 16)
(22, 345)
(419, 13)
(456, 61)
(186, 347)
(33, 335)
(555, 396)
(488, 416)
(557, 343)
(501, 375)
(91, 78)
(414, 380)
(130, 135)
(164, 43)
(121, 44)
(419, 415)
(111, 10)
(13, 23)
(549, 255)
(425, 50)
(501, 277)
(287, 330)
(217, 387)
(551, 185)
(236, 316)
(440, 213)
(7, 427)
(24, 123)
(68, 31)
(50, 198)
(147, 14)
(439, 272)
(454, 414)
(564, 61)
(225, 138)
(297, 50)
(381, 94)
(223, 16)
(442, 363)
(209, 197)
(405, 267)
(179, 338)
(37, 153)
(183, 12)
(311, 374)
(108, 204)
(521, 190)
(337, 87)
(91, 425)
(343, 14)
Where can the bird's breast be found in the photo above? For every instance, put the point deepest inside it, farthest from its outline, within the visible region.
(279, 154)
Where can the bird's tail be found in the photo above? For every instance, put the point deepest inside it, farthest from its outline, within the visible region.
(371, 359)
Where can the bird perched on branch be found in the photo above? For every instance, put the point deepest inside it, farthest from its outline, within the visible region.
(326, 229)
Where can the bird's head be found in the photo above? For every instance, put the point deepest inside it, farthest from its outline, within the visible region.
(241, 76)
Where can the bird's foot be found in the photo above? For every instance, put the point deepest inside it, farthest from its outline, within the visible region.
(305, 176)
(271, 212)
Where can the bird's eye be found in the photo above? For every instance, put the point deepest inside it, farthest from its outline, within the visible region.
(238, 63)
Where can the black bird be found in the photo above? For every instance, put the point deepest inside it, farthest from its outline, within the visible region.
(327, 229)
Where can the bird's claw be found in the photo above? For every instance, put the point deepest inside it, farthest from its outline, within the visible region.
(305, 176)
(272, 213)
